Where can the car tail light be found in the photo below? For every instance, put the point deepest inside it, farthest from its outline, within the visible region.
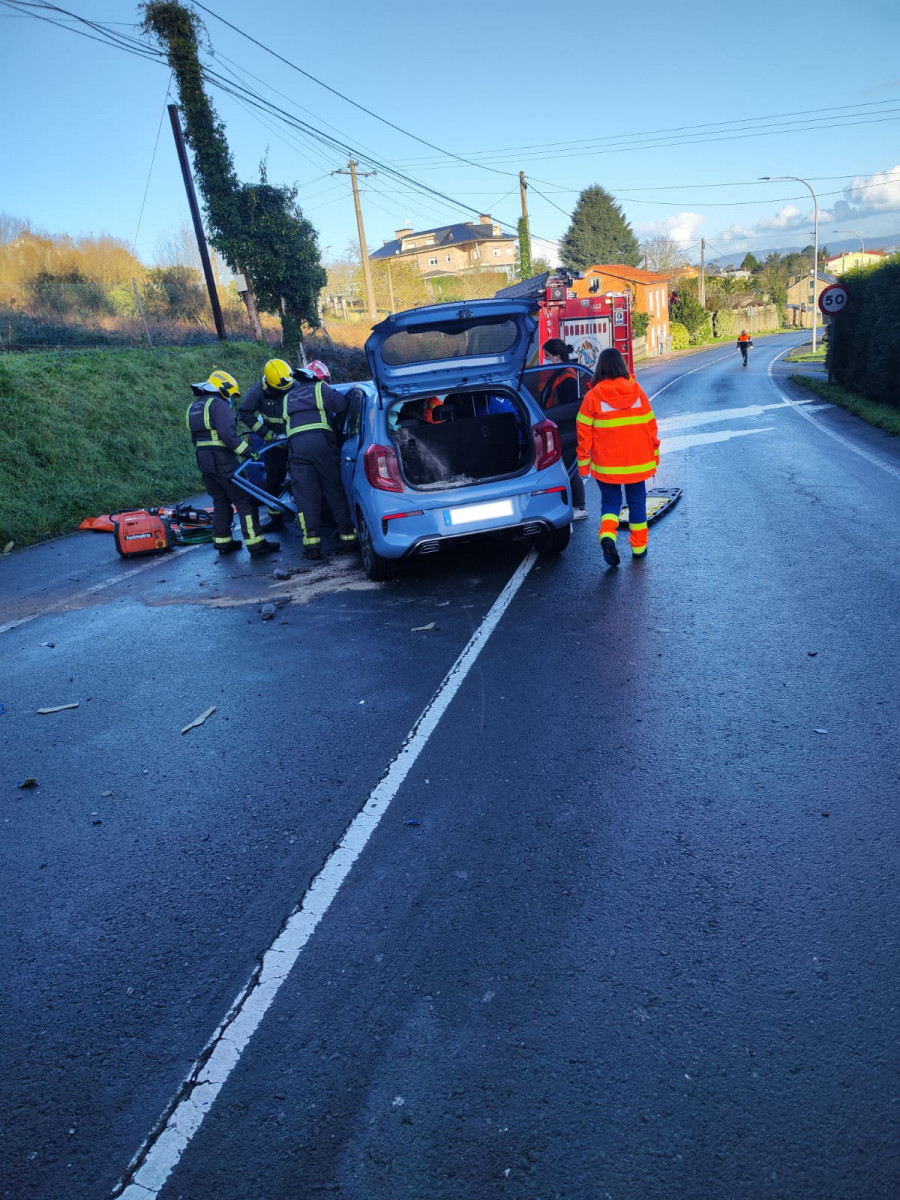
(547, 445)
(382, 468)
(548, 491)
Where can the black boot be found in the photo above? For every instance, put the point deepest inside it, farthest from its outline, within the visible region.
(312, 552)
(229, 547)
(261, 549)
(347, 542)
(276, 521)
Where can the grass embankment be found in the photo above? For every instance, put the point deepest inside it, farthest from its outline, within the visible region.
(83, 433)
(882, 416)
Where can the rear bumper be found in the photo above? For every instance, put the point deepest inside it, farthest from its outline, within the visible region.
(424, 532)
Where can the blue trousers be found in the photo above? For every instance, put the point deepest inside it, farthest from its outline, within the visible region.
(635, 498)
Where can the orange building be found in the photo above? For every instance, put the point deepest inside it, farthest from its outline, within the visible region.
(649, 289)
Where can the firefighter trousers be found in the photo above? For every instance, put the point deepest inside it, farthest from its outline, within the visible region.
(217, 468)
(276, 460)
(316, 475)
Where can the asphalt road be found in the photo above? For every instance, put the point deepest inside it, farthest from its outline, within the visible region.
(641, 943)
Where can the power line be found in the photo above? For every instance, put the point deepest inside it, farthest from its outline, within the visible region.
(347, 99)
(152, 161)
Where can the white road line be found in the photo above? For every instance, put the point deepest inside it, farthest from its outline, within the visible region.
(97, 587)
(838, 437)
(158, 1156)
(702, 367)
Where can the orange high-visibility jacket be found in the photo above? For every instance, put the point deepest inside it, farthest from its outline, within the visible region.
(618, 441)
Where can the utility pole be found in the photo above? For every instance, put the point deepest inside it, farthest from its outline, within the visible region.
(198, 225)
(702, 286)
(363, 248)
(391, 286)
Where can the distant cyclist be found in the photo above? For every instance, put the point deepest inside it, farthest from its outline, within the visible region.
(744, 342)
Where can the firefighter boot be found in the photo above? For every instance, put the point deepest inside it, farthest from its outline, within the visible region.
(347, 542)
(313, 551)
(609, 524)
(229, 547)
(261, 549)
(276, 521)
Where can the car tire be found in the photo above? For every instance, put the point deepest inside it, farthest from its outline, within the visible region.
(554, 541)
(377, 567)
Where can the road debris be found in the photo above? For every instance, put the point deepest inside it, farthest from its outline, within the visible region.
(812, 653)
(412, 821)
(422, 628)
(267, 612)
(49, 645)
(199, 720)
(8, 547)
(58, 708)
(29, 781)
(820, 731)
(104, 795)
(281, 573)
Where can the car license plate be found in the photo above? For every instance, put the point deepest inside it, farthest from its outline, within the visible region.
(478, 512)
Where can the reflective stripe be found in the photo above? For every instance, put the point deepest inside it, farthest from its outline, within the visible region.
(650, 466)
(348, 537)
(643, 419)
(311, 541)
(637, 525)
(638, 551)
(585, 420)
(251, 537)
(584, 462)
(214, 439)
(607, 537)
(223, 541)
(322, 423)
(220, 445)
(301, 521)
(242, 447)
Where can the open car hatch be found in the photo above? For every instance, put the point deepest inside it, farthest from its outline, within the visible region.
(447, 346)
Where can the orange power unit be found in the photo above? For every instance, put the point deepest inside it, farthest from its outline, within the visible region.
(141, 532)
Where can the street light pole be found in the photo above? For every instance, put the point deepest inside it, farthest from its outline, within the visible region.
(862, 245)
(797, 179)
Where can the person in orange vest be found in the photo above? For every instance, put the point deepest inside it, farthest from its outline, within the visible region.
(561, 390)
(744, 342)
(618, 443)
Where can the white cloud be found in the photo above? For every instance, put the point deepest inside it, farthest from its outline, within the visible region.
(683, 227)
(865, 196)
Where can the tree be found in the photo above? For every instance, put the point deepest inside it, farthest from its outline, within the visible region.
(599, 233)
(662, 254)
(258, 228)
(688, 311)
(750, 263)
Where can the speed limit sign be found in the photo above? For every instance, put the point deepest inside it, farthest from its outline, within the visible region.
(833, 300)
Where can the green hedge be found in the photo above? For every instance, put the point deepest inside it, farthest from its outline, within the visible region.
(866, 336)
(681, 339)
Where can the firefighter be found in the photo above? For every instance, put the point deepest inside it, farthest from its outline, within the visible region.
(262, 411)
(744, 343)
(618, 443)
(312, 412)
(214, 434)
(562, 388)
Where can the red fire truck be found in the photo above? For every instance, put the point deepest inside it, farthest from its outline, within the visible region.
(588, 324)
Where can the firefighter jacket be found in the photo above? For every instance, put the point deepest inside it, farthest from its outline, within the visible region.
(212, 423)
(262, 411)
(309, 407)
(618, 440)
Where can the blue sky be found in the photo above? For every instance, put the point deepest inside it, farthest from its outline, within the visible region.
(572, 96)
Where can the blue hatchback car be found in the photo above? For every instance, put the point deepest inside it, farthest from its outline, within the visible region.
(445, 442)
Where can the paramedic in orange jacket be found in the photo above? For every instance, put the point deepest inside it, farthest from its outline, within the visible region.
(618, 443)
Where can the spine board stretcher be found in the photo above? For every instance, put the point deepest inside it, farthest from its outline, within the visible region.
(659, 501)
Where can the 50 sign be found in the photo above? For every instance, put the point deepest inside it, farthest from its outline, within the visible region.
(833, 300)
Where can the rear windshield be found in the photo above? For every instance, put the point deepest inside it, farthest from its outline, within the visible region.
(462, 339)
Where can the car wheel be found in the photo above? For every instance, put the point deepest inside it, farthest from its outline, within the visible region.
(377, 567)
(554, 541)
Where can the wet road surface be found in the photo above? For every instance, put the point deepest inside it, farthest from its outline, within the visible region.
(641, 942)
